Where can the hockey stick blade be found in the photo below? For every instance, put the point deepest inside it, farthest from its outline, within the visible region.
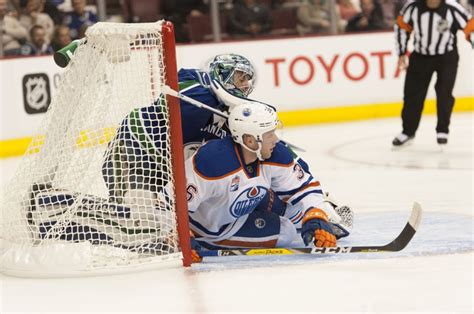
(398, 244)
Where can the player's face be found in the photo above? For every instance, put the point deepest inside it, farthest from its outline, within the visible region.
(39, 37)
(242, 81)
(269, 140)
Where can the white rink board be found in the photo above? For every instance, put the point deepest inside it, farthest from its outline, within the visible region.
(298, 73)
(330, 71)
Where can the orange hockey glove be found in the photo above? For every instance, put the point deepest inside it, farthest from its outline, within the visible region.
(316, 228)
(195, 247)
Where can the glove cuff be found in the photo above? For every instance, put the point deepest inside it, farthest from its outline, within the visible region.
(315, 213)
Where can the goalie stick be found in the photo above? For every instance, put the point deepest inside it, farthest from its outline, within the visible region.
(398, 244)
(169, 91)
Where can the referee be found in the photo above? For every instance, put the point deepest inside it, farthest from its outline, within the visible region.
(434, 24)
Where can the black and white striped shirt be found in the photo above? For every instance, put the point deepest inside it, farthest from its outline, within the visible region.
(434, 29)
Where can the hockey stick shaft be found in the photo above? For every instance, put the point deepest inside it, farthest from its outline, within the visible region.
(169, 91)
(398, 244)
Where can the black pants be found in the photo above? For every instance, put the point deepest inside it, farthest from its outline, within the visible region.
(418, 77)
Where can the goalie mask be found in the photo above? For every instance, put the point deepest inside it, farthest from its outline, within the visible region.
(235, 73)
(252, 118)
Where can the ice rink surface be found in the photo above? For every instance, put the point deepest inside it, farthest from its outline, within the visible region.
(356, 164)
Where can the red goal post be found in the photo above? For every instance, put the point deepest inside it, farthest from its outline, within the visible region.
(177, 144)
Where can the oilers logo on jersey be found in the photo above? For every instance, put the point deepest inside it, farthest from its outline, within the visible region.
(246, 202)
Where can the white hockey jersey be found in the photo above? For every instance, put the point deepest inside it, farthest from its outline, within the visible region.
(221, 192)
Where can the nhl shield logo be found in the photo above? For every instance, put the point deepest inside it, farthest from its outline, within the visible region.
(36, 93)
(234, 184)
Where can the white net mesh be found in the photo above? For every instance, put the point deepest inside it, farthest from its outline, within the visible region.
(94, 191)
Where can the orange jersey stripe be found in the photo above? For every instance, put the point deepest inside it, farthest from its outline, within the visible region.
(242, 165)
(309, 185)
(297, 217)
(469, 28)
(401, 23)
(302, 189)
(278, 164)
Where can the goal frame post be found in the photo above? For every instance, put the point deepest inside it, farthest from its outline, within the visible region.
(177, 143)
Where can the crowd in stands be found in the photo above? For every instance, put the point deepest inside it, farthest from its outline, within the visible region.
(36, 27)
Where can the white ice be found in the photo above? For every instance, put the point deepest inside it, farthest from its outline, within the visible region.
(355, 163)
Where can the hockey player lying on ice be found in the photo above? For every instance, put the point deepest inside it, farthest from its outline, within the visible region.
(131, 169)
(228, 179)
(228, 184)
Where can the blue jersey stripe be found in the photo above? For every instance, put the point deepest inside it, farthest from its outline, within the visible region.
(291, 192)
(204, 230)
(299, 198)
(297, 220)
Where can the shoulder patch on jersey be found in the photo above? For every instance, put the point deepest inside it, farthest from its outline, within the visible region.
(281, 155)
(216, 159)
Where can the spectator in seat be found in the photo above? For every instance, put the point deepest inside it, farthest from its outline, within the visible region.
(32, 15)
(61, 37)
(79, 17)
(51, 7)
(14, 7)
(314, 16)
(369, 19)
(12, 32)
(391, 9)
(249, 18)
(347, 10)
(37, 45)
(177, 11)
(277, 4)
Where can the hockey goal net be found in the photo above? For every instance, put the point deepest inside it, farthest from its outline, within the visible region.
(101, 186)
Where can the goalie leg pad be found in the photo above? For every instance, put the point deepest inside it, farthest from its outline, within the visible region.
(74, 232)
(66, 216)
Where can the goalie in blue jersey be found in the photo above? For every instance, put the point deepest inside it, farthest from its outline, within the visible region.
(137, 156)
(229, 179)
(230, 80)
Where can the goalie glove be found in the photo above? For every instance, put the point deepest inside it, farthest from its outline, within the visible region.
(317, 229)
(340, 217)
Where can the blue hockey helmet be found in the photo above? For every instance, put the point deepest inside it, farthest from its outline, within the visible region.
(235, 73)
